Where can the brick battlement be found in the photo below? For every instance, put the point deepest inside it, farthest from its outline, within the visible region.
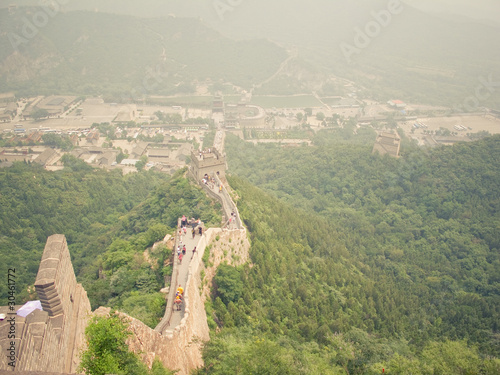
(50, 340)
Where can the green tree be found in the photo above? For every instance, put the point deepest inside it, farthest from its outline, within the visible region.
(121, 156)
(141, 163)
(455, 357)
(56, 140)
(74, 164)
(229, 284)
(107, 352)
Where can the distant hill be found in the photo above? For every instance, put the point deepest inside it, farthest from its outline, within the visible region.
(410, 54)
(417, 56)
(96, 53)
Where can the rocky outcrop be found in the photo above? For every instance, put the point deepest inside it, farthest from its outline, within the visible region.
(227, 246)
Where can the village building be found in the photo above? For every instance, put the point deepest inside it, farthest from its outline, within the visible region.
(107, 159)
(93, 136)
(387, 143)
(218, 104)
(159, 155)
(139, 150)
(48, 157)
(397, 104)
(126, 115)
(55, 105)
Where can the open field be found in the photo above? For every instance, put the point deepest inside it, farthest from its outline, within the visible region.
(299, 101)
(472, 124)
(187, 101)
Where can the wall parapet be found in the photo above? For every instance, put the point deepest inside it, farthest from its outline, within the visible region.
(50, 340)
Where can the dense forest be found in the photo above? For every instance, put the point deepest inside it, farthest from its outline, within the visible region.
(362, 262)
(109, 221)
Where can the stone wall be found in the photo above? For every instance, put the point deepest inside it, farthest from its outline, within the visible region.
(181, 349)
(50, 340)
(232, 247)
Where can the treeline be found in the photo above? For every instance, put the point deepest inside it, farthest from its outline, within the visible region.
(370, 263)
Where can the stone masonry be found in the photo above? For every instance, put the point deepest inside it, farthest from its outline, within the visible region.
(50, 340)
(208, 162)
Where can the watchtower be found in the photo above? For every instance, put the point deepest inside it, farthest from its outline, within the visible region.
(218, 104)
(209, 161)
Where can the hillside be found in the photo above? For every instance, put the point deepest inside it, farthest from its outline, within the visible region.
(381, 263)
(123, 56)
(358, 262)
(412, 55)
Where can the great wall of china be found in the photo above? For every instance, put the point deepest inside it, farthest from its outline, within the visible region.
(49, 341)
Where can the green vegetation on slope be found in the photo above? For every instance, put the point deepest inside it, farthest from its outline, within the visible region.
(382, 263)
(108, 353)
(76, 202)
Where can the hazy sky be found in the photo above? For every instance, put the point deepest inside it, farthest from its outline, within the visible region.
(487, 9)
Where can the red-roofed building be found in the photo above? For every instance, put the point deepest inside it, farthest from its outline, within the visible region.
(397, 103)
